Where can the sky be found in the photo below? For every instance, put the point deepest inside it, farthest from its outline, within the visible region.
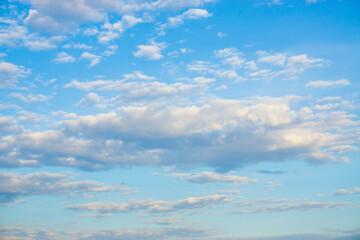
(179, 119)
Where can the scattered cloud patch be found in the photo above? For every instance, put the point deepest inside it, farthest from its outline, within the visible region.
(325, 84)
(15, 185)
(93, 58)
(151, 51)
(208, 177)
(64, 57)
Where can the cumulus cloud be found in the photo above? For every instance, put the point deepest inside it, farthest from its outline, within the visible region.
(64, 57)
(13, 185)
(113, 31)
(325, 84)
(151, 51)
(190, 14)
(10, 73)
(277, 59)
(13, 34)
(203, 80)
(8, 125)
(222, 134)
(138, 75)
(93, 58)
(47, 15)
(231, 57)
(92, 99)
(208, 177)
(151, 206)
(30, 97)
(139, 90)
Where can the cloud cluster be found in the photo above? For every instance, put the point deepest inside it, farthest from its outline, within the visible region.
(11, 73)
(151, 206)
(11, 233)
(13, 34)
(208, 177)
(151, 51)
(303, 206)
(222, 134)
(13, 185)
(236, 67)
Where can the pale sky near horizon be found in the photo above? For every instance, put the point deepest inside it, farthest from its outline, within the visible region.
(169, 119)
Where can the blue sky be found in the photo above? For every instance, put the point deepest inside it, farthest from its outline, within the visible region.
(164, 119)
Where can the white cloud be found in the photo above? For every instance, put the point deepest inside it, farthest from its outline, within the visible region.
(12, 34)
(92, 99)
(313, 1)
(13, 185)
(191, 14)
(86, 86)
(324, 84)
(78, 46)
(113, 31)
(246, 131)
(30, 97)
(208, 177)
(9, 125)
(221, 35)
(93, 58)
(64, 57)
(138, 75)
(106, 234)
(341, 192)
(303, 206)
(46, 23)
(151, 51)
(203, 80)
(10, 73)
(200, 66)
(110, 50)
(151, 206)
(231, 57)
(277, 59)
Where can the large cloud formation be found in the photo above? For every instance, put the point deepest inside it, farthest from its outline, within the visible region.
(222, 134)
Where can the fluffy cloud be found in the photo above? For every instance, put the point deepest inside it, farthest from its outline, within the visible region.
(92, 99)
(151, 51)
(30, 97)
(8, 125)
(138, 75)
(113, 31)
(277, 59)
(14, 35)
(13, 185)
(208, 177)
(10, 73)
(93, 58)
(325, 84)
(140, 90)
(64, 16)
(64, 57)
(189, 14)
(235, 67)
(223, 134)
(151, 206)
